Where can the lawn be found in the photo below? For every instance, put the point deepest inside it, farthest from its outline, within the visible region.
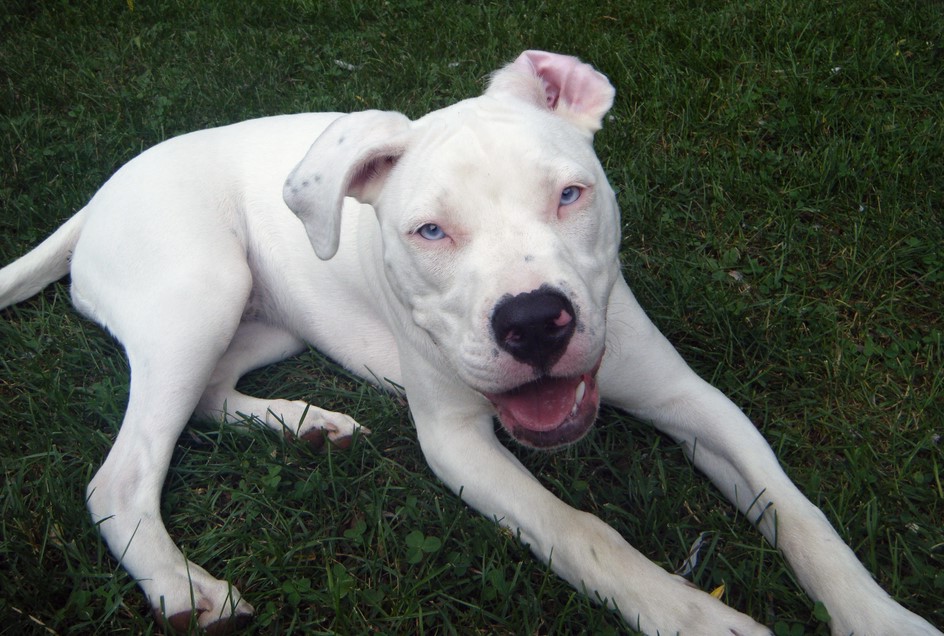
(780, 167)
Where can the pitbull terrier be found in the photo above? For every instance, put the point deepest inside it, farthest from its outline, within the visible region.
(470, 257)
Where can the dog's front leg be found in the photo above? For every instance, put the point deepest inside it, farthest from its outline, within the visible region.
(455, 431)
(643, 374)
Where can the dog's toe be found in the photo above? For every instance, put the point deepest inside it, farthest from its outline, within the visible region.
(229, 625)
(315, 438)
(194, 601)
(343, 443)
(343, 436)
(189, 622)
(337, 428)
(341, 439)
(179, 623)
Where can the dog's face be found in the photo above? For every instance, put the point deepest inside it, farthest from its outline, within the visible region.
(499, 234)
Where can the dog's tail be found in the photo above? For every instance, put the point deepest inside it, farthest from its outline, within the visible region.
(48, 262)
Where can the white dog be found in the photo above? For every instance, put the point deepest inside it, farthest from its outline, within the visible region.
(470, 257)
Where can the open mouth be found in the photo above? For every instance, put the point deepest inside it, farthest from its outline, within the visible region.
(549, 412)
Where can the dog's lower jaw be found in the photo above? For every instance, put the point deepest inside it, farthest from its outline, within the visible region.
(549, 412)
(572, 430)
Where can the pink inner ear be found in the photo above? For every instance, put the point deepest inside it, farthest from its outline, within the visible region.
(553, 93)
(569, 83)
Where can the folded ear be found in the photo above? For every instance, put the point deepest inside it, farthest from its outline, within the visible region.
(352, 157)
(560, 83)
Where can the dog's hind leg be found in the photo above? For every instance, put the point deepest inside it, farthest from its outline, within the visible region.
(257, 344)
(174, 334)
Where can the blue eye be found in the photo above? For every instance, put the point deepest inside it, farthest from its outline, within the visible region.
(431, 232)
(569, 195)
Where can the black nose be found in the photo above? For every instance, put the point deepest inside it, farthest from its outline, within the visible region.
(534, 327)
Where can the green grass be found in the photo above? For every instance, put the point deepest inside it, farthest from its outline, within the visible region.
(780, 166)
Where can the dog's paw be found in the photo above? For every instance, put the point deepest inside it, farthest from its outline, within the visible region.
(728, 622)
(681, 608)
(731, 625)
(197, 601)
(189, 621)
(884, 616)
(317, 425)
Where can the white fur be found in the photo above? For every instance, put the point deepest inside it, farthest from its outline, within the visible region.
(190, 257)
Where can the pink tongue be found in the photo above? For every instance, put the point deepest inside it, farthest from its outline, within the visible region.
(541, 405)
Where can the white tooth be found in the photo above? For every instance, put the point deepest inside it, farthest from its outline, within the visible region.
(581, 391)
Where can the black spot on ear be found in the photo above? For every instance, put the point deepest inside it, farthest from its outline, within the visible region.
(528, 258)
(317, 178)
(305, 183)
(340, 140)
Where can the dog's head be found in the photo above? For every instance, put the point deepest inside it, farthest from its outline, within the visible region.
(499, 230)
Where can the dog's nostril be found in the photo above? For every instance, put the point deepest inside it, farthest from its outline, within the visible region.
(563, 319)
(512, 337)
(534, 327)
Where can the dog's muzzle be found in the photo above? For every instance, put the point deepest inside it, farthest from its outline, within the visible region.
(535, 328)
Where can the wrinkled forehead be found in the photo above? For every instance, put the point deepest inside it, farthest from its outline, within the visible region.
(490, 132)
(484, 144)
